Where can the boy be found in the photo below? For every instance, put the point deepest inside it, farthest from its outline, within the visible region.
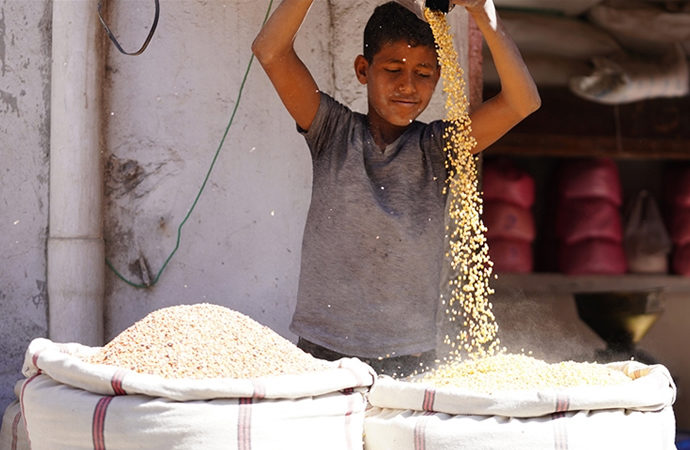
(373, 243)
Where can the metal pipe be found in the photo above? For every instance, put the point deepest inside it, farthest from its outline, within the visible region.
(76, 255)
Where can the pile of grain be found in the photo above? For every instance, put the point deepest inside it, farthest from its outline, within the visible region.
(204, 341)
(511, 372)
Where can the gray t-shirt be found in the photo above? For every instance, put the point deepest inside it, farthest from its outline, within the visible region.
(374, 238)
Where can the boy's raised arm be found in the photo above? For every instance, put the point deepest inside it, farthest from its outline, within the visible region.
(518, 97)
(274, 49)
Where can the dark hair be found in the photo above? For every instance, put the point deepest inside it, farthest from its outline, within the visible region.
(392, 22)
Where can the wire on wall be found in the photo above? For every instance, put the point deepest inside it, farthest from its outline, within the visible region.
(203, 185)
(146, 41)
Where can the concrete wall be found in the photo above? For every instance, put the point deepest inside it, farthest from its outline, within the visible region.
(24, 126)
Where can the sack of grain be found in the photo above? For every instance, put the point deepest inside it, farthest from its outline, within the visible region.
(643, 26)
(627, 77)
(13, 432)
(590, 218)
(565, 7)
(511, 256)
(681, 260)
(70, 402)
(503, 181)
(677, 187)
(590, 178)
(634, 415)
(507, 221)
(592, 257)
(551, 34)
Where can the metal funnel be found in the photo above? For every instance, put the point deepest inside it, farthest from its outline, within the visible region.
(621, 319)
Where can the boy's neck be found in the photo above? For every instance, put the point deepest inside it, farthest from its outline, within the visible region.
(383, 132)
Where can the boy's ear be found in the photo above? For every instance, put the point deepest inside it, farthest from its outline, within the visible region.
(361, 68)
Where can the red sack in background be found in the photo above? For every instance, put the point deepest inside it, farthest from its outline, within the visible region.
(590, 178)
(681, 260)
(678, 187)
(508, 221)
(581, 219)
(503, 181)
(679, 226)
(592, 257)
(510, 256)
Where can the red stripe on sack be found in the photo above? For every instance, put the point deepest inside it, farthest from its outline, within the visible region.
(98, 423)
(34, 358)
(348, 420)
(259, 390)
(429, 398)
(15, 426)
(562, 404)
(560, 432)
(116, 382)
(244, 424)
(360, 380)
(21, 404)
(420, 432)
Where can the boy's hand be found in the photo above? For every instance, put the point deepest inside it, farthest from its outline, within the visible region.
(483, 10)
(471, 4)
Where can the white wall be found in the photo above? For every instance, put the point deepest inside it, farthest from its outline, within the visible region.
(24, 145)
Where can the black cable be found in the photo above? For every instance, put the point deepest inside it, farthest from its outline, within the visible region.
(148, 38)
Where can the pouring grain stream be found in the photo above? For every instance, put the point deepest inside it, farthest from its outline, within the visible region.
(469, 252)
(488, 367)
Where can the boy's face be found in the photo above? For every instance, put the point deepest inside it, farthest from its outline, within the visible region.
(400, 81)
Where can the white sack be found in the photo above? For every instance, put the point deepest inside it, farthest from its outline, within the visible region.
(625, 78)
(64, 363)
(567, 7)
(564, 37)
(387, 429)
(70, 404)
(635, 415)
(546, 70)
(13, 432)
(652, 389)
(641, 26)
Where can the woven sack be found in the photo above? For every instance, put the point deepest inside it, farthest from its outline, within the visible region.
(679, 227)
(593, 218)
(592, 257)
(567, 7)
(642, 26)
(681, 260)
(511, 256)
(549, 34)
(590, 178)
(625, 78)
(13, 432)
(506, 221)
(677, 187)
(70, 404)
(546, 70)
(634, 416)
(503, 181)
